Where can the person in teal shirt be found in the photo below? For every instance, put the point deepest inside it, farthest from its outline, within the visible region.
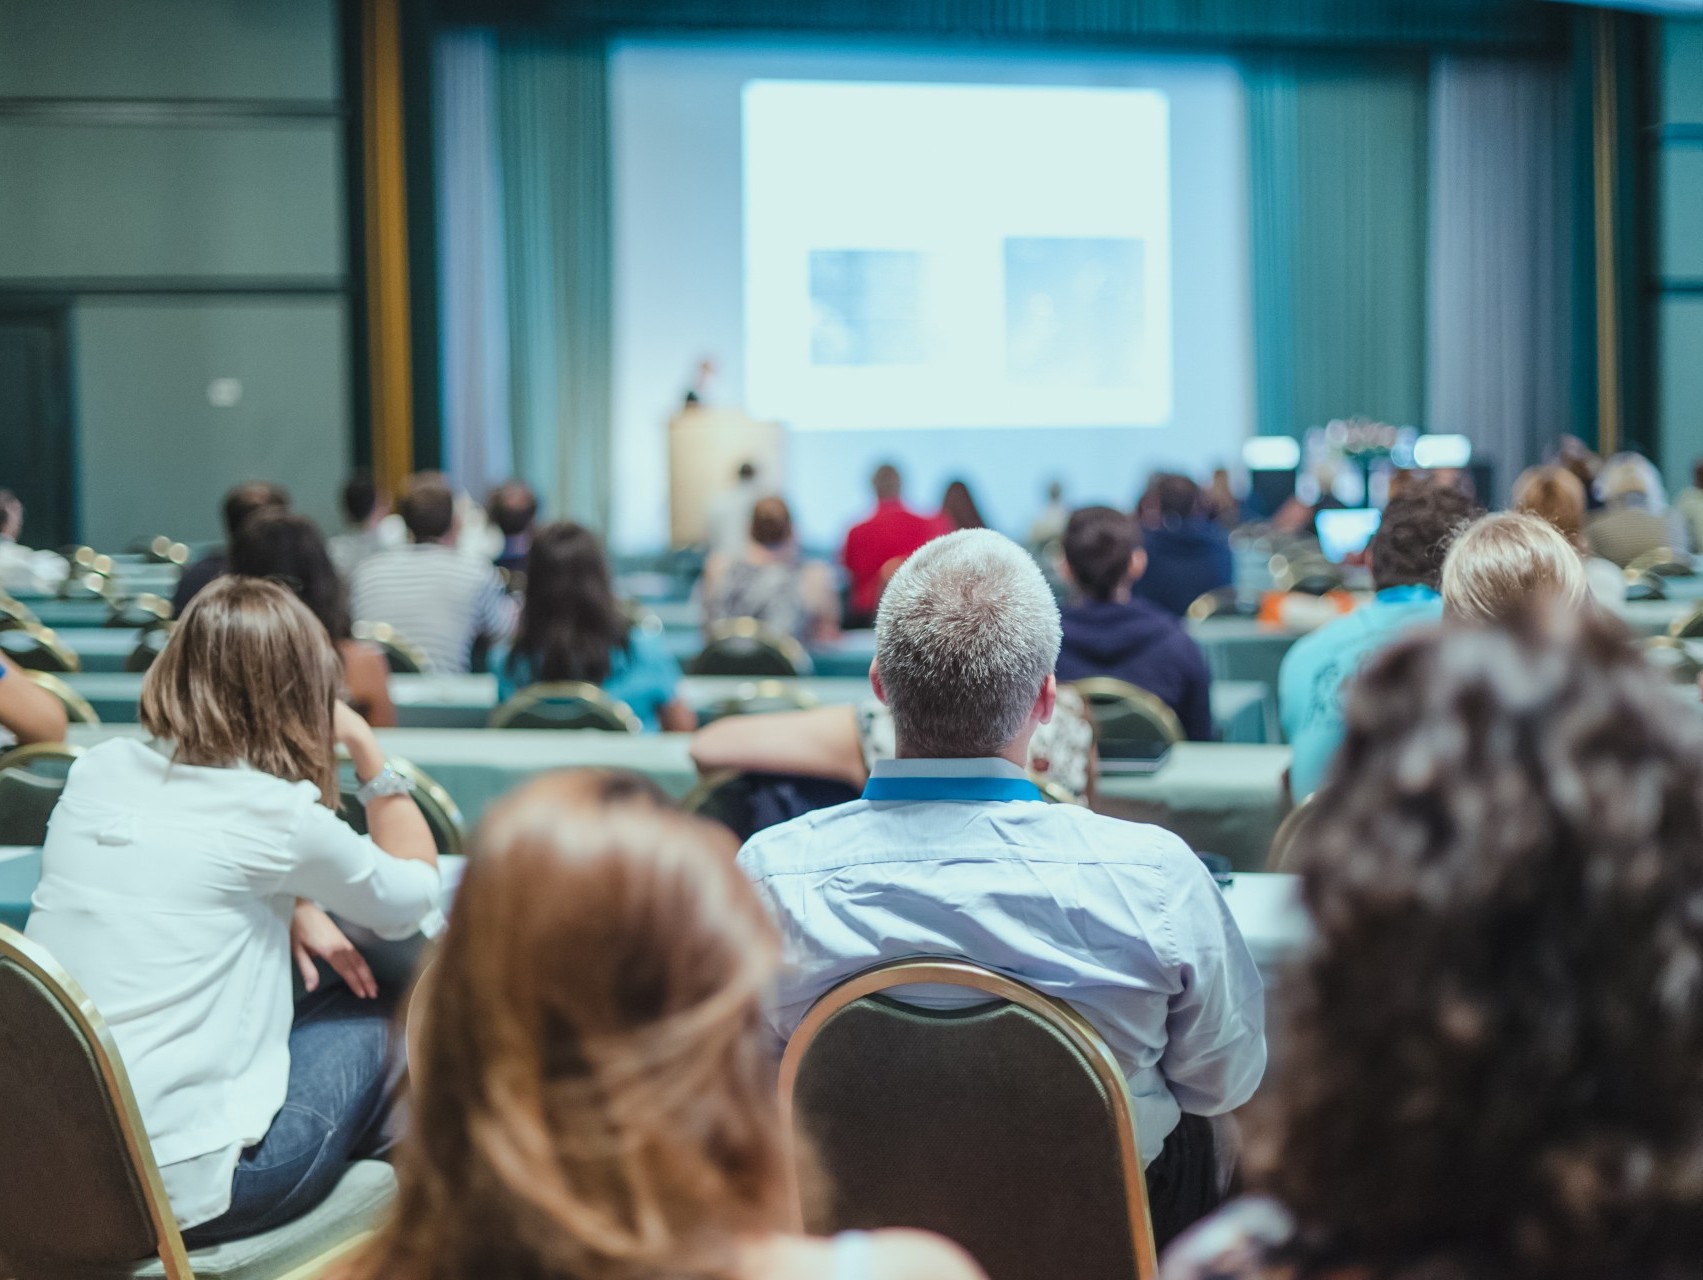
(1407, 567)
(572, 627)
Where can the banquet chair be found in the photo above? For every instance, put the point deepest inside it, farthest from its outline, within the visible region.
(1647, 586)
(1290, 832)
(145, 610)
(80, 1194)
(77, 708)
(86, 584)
(1662, 562)
(1132, 723)
(405, 657)
(164, 550)
(436, 805)
(565, 704)
(1675, 658)
(759, 697)
(1212, 604)
(16, 616)
(745, 647)
(38, 649)
(31, 778)
(148, 646)
(1689, 627)
(1005, 1126)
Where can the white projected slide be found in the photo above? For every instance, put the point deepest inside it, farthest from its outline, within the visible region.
(938, 255)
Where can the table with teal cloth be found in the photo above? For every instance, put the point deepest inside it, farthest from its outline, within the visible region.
(1242, 711)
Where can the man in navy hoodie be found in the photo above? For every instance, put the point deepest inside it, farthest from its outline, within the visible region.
(1188, 553)
(1109, 631)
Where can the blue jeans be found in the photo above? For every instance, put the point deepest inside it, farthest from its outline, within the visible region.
(339, 1105)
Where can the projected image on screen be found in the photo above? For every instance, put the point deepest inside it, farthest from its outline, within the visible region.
(956, 255)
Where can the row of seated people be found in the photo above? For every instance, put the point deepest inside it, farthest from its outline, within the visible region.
(1488, 1069)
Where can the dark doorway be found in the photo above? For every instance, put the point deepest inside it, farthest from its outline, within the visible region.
(35, 419)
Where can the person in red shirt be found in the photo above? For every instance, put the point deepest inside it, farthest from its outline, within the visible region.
(889, 534)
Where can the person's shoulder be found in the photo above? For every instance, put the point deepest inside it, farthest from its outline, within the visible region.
(1235, 1243)
(1118, 840)
(790, 845)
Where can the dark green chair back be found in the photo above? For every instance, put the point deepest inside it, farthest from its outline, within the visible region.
(744, 647)
(1131, 723)
(436, 806)
(38, 649)
(1005, 1126)
(148, 647)
(31, 779)
(565, 704)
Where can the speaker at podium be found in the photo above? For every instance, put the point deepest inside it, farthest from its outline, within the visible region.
(706, 449)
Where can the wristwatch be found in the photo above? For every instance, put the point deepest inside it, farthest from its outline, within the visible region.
(386, 782)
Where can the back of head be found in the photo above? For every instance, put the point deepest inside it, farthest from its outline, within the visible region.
(1506, 564)
(965, 637)
(360, 497)
(1493, 1049)
(1177, 498)
(512, 508)
(1555, 494)
(958, 505)
(570, 620)
(248, 676)
(771, 523)
(1630, 479)
(1098, 544)
(1415, 533)
(428, 507)
(287, 548)
(593, 1094)
(245, 499)
(888, 482)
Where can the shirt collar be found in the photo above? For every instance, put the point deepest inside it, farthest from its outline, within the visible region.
(981, 781)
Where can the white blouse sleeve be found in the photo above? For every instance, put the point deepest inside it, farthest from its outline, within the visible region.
(349, 875)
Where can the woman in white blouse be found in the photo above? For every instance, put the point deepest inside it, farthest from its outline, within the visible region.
(181, 871)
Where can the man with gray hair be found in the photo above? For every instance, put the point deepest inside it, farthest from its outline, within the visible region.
(952, 851)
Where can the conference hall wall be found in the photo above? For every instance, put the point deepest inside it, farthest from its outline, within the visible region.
(1679, 252)
(173, 209)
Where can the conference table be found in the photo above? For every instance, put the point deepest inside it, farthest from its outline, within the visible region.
(1243, 711)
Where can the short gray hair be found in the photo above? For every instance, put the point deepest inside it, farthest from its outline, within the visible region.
(967, 633)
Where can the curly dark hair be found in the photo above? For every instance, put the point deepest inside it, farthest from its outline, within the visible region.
(1494, 1058)
(1414, 536)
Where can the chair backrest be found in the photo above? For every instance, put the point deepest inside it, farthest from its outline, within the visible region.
(1675, 658)
(85, 584)
(1005, 1126)
(79, 1189)
(746, 803)
(1662, 562)
(145, 610)
(1290, 833)
(31, 779)
(77, 708)
(436, 805)
(1647, 586)
(565, 704)
(1133, 724)
(148, 646)
(164, 550)
(1689, 627)
(38, 649)
(404, 657)
(16, 616)
(745, 647)
(759, 697)
(1217, 601)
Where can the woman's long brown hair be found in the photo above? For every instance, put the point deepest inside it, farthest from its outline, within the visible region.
(249, 676)
(593, 1096)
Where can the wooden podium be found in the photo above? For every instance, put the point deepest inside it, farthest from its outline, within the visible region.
(706, 448)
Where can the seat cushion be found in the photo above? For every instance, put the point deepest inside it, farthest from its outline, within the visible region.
(360, 1200)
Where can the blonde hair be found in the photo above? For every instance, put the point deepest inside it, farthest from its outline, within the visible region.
(249, 676)
(593, 1091)
(1500, 565)
(1555, 494)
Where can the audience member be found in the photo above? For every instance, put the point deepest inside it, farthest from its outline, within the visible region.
(24, 568)
(287, 548)
(573, 628)
(1049, 524)
(1110, 632)
(770, 582)
(1554, 493)
(1220, 502)
(1490, 1068)
(1407, 569)
(27, 711)
(366, 510)
(1507, 564)
(952, 852)
(1188, 554)
(1634, 520)
(1573, 454)
(513, 509)
(958, 509)
(166, 883)
(729, 517)
(592, 1091)
(433, 595)
(876, 546)
(240, 503)
(1689, 506)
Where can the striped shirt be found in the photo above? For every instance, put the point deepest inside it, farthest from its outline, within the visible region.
(435, 597)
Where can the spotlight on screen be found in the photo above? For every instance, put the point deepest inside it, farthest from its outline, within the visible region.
(1432, 452)
(1271, 453)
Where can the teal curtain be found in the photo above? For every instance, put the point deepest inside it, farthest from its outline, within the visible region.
(1337, 182)
(553, 143)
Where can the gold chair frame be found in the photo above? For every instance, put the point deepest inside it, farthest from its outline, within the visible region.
(77, 707)
(1067, 1021)
(74, 1001)
(428, 793)
(391, 640)
(62, 653)
(1688, 627)
(534, 695)
(1288, 832)
(18, 615)
(1663, 562)
(157, 608)
(750, 629)
(779, 687)
(1110, 688)
(30, 752)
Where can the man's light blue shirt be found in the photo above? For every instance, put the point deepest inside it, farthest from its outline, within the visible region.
(1312, 680)
(1119, 919)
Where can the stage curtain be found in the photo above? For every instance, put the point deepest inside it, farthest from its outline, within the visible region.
(553, 153)
(1500, 277)
(1338, 185)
